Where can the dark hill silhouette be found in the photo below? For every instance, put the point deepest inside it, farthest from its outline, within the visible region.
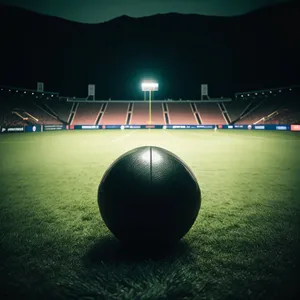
(257, 50)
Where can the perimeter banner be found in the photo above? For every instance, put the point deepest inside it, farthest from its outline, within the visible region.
(190, 126)
(12, 129)
(39, 128)
(158, 126)
(89, 127)
(54, 127)
(33, 128)
(257, 127)
(295, 127)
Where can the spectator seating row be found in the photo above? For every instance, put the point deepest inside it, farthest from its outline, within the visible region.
(138, 113)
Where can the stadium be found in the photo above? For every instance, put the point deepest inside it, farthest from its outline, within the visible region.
(244, 242)
(49, 111)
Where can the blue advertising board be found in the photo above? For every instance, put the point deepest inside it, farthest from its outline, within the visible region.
(54, 127)
(89, 127)
(33, 128)
(257, 127)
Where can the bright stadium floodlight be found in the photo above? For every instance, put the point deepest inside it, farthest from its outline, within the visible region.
(149, 86)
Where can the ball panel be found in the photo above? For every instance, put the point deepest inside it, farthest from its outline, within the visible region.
(174, 180)
(122, 190)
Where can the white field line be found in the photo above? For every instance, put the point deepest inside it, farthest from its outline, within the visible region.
(122, 137)
(166, 131)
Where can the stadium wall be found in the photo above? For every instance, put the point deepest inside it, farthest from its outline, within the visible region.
(41, 128)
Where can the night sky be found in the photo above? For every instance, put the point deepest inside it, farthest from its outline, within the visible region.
(96, 11)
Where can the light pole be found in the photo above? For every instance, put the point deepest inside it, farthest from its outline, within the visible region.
(149, 86)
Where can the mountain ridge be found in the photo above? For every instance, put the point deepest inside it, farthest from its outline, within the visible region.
(293, 3)
(253, 51)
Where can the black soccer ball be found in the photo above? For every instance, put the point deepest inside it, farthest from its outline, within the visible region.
(149, 196)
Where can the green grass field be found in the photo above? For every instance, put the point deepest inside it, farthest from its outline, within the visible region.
(245, 243)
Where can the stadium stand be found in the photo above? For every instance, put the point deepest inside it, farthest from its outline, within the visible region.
(7, 105)
(266, 107)
(61, 108)
(236, 108)
(87, 114)
(11, 120)
(115, 114)
(181, 113)
(157, 114)
(140, 114)
(288, 114)
(41, 116)
(210, 113)
(20, 108)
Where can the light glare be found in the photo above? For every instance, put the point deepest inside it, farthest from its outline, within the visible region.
(149, 86)
(156, 158)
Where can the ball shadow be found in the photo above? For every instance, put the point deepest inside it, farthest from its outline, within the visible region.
(111, 250)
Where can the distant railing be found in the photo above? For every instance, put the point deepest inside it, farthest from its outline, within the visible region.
(214, 100)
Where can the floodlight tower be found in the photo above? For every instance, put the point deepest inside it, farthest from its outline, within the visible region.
(149, 86)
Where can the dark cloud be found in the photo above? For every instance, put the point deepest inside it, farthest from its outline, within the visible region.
(94, 11)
